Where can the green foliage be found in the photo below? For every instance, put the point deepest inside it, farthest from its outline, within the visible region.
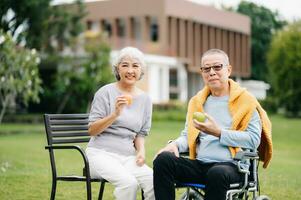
(169, 115)
(78, 78)
(270, 104)
(285, 68)
(47, 28)
(171, 111)
(23, 118)
(19, 74)
(264, 23)
(38, 24)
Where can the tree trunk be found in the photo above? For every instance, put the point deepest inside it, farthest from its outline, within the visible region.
(64, 102)
(88, 107)
(4, 105)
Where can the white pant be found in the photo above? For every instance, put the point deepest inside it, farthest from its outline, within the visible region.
(122, 172)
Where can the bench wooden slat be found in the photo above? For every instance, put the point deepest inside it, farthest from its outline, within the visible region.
(69, 128)
(68, 116)
(70, 140)
(70, 134)
(69, 122)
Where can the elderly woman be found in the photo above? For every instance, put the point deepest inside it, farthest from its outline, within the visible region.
(120, 118)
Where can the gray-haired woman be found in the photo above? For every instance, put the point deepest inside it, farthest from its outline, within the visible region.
(120, 118)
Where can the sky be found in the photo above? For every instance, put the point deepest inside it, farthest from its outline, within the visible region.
(288, 9)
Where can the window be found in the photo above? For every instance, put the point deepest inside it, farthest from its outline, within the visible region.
(89, 25)
(173, 84)
(120, 27)
(154, 30)
(107, 27)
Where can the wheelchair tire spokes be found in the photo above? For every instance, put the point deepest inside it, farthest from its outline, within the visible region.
(192, 194)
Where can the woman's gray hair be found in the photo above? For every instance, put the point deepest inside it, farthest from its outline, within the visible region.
(131, 52)
(215, 51)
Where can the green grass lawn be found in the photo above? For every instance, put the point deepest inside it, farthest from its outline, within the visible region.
(25, 169)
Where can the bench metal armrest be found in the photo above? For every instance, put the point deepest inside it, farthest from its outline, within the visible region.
(72, 147)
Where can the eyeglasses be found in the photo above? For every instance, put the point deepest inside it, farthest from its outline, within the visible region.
(215, 67)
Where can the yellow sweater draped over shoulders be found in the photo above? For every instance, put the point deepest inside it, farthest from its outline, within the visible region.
(241, 107)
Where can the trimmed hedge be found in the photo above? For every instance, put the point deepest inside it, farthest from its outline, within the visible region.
(23, 118)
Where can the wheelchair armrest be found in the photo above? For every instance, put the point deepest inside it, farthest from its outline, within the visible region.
(243, 155)
(184, 154)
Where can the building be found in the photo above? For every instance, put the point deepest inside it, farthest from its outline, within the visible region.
(257, 88)
(173, 34)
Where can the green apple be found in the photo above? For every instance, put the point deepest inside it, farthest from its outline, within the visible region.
(199, 116)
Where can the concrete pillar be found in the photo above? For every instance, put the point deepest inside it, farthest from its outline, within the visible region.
(129, 30)
(225, 40)
(173, 36)
(145, 28)
(231, 52)
(218, 38)
(182, 41)
(197, 45)
(211, 37)
(190, 38)
(238, 53)
(205, 38)
(114, 37)
(244, 55)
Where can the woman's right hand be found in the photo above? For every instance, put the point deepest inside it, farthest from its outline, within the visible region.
(121, 101)
(100, 125)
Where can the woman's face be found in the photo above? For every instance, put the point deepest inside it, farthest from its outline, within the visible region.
(129, 70)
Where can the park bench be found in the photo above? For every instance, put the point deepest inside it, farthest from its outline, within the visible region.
(65, 132)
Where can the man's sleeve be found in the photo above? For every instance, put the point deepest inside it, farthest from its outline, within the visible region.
(182, 141)
(249, 139)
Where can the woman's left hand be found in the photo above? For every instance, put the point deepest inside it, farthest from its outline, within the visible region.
(140, 159)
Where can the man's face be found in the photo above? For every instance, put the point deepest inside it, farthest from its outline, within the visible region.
(215, 72)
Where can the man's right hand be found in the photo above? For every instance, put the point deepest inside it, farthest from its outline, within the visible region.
(171, 147)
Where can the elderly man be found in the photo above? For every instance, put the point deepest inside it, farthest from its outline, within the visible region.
(235, 121)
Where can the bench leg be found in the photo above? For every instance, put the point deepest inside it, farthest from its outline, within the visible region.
(53, 190)
(101, 189)
(89, 195)
(142, 194)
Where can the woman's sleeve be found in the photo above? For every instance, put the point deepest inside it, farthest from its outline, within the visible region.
(147, 119)
(99, 107)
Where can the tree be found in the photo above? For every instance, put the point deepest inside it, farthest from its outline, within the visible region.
(37, 24)
(80, 76)
(264, 23)
(285, 68)
(47, 28)
(19, 74)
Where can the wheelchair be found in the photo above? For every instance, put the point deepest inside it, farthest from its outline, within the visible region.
(248, 189)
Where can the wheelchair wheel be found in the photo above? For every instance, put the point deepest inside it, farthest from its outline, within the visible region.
(191, 195)
(262, 197)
